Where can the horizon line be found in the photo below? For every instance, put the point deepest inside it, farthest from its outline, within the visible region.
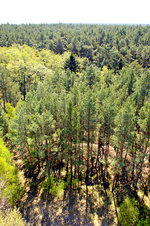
(76, 23)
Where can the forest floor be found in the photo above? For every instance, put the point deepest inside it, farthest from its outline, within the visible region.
(87, 205)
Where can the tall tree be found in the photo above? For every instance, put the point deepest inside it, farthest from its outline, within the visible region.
(89, 116)
(71, 63)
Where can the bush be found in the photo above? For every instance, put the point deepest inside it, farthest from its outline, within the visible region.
(9, 182)
(144, 219)
(49, 183)
(143, 222)
(129, 213)
(53, 186)
(12, 217)
(68, 183)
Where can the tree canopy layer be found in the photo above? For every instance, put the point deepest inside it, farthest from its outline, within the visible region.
(111, 45)
(75, 108)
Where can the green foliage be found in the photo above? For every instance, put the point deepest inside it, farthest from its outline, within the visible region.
(9, 111)
(143, 222)
(10, 189)
(144, 119)
(90, 76)
(71, 63)
(68, 182)
(5, 153)
(54, 187)
(49, 183)
(12, 217)
(144, 218)
(114, 46)
(75, 182)
(128, 213)
(124, 122)
(63, 112)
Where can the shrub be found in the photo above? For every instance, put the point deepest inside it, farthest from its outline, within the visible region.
(143, 222)
(68, 182)
(11, 217)
(53, 186)
(144, 218)
(129, 213)
(9, 182)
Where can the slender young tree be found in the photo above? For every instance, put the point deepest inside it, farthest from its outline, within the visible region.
(124, 137)
(89, 106)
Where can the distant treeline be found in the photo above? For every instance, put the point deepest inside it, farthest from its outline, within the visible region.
(112, 45)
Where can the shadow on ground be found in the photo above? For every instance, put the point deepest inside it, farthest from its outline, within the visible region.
(87, 206)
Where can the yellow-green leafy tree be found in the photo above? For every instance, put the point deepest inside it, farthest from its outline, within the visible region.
(9, 182)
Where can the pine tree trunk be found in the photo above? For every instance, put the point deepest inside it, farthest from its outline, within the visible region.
(71, 160)
(88, 152)
(75, 170)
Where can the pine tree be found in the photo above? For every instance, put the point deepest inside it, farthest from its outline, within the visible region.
(71, 63)
(89, 117)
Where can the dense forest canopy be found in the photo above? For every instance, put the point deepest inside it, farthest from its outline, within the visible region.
(114, 46)
(75, 112)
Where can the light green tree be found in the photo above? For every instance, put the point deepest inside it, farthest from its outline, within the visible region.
(9, 182)
(129, 213)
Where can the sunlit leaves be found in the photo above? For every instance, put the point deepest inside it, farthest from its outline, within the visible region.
(144, 120)
(9, 184)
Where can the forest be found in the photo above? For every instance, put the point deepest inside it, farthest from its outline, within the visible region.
(74, 124)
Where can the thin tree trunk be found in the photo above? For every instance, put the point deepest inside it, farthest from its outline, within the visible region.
(71, 160)
(88, 149)
(75, 170)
